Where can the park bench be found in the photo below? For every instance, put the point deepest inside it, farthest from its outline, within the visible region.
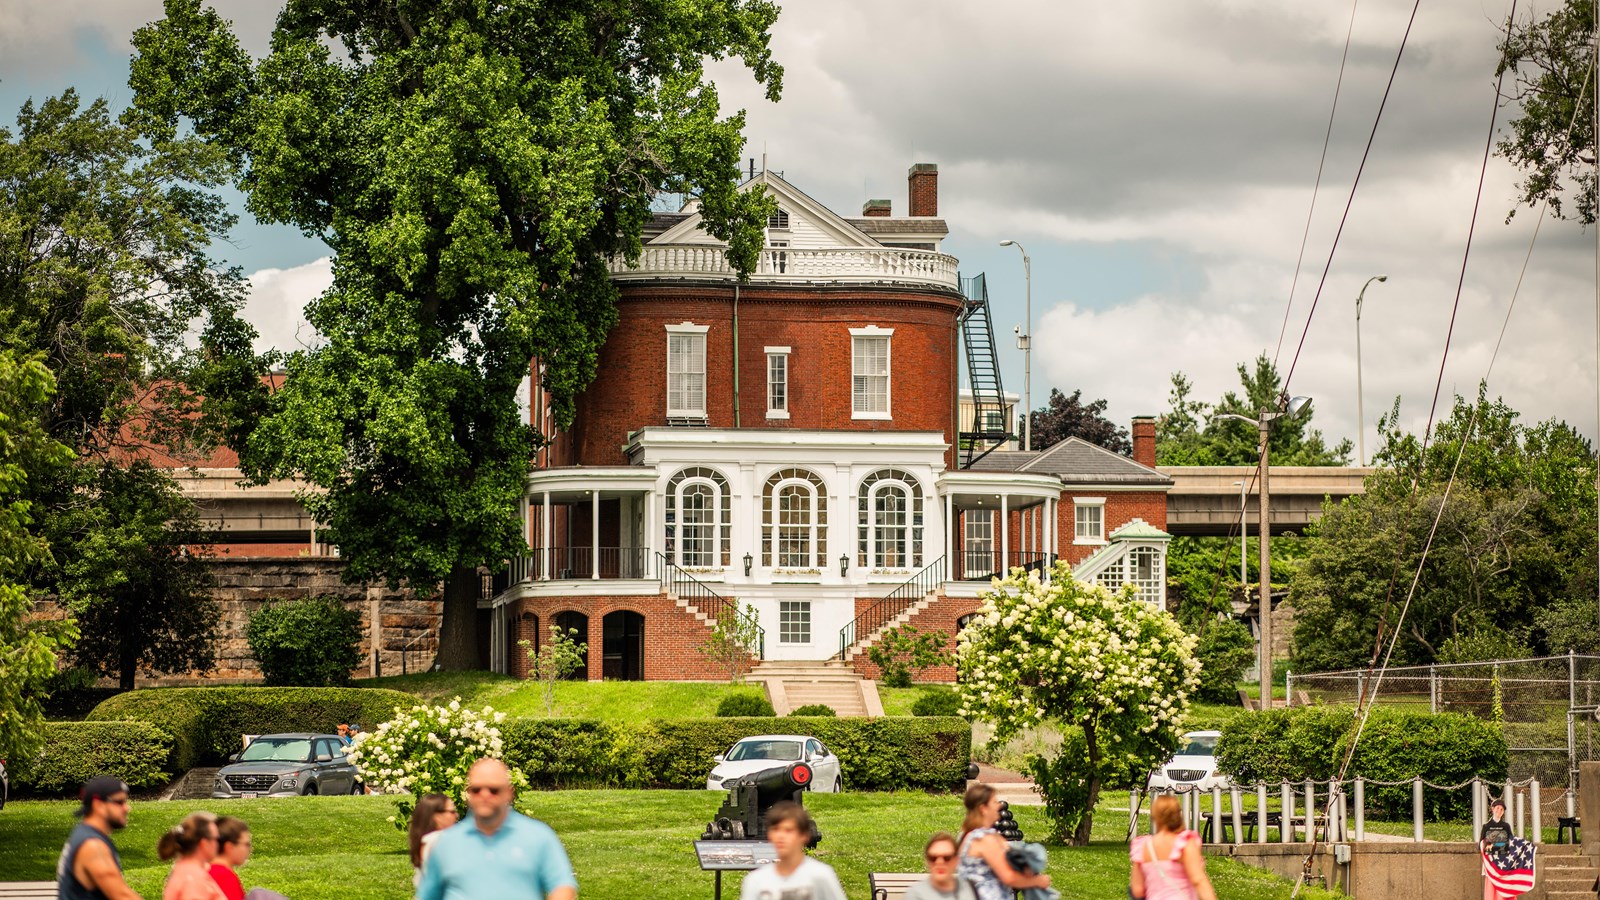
(27, 890)
(1563, 823)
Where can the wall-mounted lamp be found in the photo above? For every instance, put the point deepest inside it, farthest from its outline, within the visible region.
(748, 562)
(844, 564)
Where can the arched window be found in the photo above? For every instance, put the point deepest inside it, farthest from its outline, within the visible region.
(889, 521)
(699, 519)
(794, 520)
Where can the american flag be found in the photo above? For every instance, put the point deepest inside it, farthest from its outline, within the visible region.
(1510, 870)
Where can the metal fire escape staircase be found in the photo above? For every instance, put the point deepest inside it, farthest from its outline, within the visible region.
(991, 428)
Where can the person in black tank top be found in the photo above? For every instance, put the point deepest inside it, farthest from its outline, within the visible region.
(90, 867)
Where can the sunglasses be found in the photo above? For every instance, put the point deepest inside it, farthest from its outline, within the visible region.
(940, 857)
(123, 802)
(491, 790)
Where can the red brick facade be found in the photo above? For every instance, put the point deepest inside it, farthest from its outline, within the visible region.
(922, 187)
(941, 616)
(1121, 508)
(672, 635)
(631, 391)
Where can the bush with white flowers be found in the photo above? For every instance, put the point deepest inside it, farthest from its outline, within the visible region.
(426, 750)
(1110, 666)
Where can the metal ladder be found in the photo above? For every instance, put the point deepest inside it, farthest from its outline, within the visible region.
(983, 376)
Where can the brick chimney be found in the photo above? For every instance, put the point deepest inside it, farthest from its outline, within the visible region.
(876, 209)
(1144, 440)
(922, 184)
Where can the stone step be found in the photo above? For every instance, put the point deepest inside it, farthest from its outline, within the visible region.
(194, 784)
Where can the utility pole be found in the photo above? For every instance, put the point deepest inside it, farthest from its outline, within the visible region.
(1264, 536)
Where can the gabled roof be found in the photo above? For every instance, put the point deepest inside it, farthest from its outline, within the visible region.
(790, 199)
(1076, 461)
(1139, 530)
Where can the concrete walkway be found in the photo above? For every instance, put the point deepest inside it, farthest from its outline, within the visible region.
(1015, 788)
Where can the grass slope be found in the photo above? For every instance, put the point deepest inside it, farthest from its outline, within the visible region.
(620, 700)
(624, 844)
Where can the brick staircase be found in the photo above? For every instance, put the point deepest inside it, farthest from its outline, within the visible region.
(791, 684)
(860, 647)
(1565, 873)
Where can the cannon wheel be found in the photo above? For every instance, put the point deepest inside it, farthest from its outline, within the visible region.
(738, 831)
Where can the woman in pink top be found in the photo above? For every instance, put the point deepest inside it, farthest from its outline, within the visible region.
(194, 843)
(1167, 865)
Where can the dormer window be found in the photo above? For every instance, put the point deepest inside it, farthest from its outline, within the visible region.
(779, 220)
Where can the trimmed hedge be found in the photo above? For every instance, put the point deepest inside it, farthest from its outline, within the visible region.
(813, 709)
(206, 722)
(735, 705)
(1310, 743)
(74, 752)
(937, 702)
(883, 754)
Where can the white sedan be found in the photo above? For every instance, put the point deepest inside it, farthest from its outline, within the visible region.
(770, 751)
(1193, 767)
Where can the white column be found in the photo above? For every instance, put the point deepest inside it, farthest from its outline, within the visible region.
(544, 538)
(951, 547)
(651, 532)
(594, 532)
(1005, 535)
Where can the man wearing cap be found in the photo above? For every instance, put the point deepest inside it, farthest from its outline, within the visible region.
(90, 868)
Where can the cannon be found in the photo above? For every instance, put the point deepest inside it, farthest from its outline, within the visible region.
(744, 813)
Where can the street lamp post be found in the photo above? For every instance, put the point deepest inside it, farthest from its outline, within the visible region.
(1026, 339)
(1361, 415)
(1244, 534)
(1263, 422)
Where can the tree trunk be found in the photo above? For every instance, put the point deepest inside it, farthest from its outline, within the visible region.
(1080, 836)
(127, 663)
(458, 627)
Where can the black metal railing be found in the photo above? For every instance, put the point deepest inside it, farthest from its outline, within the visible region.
(982, 565)
(889, 608)
(678, 583)
(577, 563)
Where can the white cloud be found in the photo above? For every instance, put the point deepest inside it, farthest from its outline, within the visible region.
(48, 36)
(278, 298)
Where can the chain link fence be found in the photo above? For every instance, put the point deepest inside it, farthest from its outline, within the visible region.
(1546, 703)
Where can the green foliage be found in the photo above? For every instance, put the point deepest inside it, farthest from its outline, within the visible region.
(1192, 434)
(1062, 417)
(1303, 743)
(74, 752)
(28, 647)
(556, 659)
(738, 705)
(1552, 89)
(1225, 651)
(884, 754)
(104, 239)
(309, 643)
(813, 709)
(1066, 782)
(733, 642)
(1111, 665)
(1512, 559)
(901, 653)
(207, 723)
(428, 750)
(475, 169)
(937, 702)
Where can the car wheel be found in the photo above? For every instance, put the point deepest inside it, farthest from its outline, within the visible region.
(310, 791)
(838, 785)
(357, 788)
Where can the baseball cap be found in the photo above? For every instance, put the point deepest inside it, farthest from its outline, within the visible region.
(100, 787)
(1498, 802)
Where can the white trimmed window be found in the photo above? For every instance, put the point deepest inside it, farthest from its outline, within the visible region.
(869, 383)
(1089, 520)
(686, 371)
(794, 520)
(889, 521)
(698, 518)
(979, 544)
(777, 382)
(794, 622)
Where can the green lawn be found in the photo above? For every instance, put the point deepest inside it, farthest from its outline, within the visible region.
(624, 844)
(620, 700)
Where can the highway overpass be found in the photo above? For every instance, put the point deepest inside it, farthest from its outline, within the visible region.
(1204, 500)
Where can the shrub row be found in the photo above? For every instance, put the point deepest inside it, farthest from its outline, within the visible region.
(74, 752)
(881, 754)
(1309, 743)
(206, 722)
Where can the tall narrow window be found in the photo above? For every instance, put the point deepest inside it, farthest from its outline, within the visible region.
(870, 372)
(777, 382)
(978, 556)
(686, 371)
(889, 521)
(698, 518)
(794, 526)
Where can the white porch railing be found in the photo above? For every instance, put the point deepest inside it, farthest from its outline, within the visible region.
(850, 265)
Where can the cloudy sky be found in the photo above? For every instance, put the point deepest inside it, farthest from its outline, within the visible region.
(1156, 159)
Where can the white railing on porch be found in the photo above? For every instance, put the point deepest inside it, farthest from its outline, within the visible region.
(849, 265)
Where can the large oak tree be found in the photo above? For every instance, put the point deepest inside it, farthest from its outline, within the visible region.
(474, 166)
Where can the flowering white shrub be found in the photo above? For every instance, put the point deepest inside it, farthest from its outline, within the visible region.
(426, 750)
(1112, 666)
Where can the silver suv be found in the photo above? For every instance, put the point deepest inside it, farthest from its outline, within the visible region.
(287, 765)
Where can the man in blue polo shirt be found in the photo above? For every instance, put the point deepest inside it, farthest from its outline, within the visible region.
(498, 853)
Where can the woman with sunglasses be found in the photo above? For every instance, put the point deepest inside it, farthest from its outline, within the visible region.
(434, 813)
(194, 844)
(941, 883)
